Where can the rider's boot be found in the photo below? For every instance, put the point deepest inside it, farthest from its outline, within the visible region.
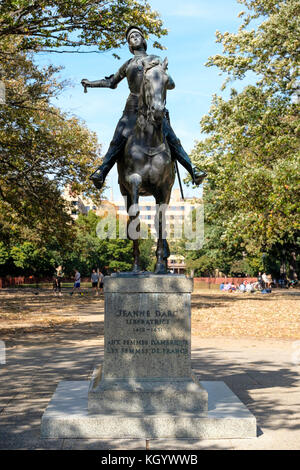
(180, 154)
(199, 176)
(115, 148)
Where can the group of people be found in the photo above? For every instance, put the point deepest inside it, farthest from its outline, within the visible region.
(96, 280)
(249, 287)
(263, 284)
(245, 286)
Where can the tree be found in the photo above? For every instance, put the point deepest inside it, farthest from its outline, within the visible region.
(50, 24)
(252, 159)
(88, 251)
(271, 50)
(41, 150)
(251, 153)
(4, 256)
(201, 265)
(147, 254)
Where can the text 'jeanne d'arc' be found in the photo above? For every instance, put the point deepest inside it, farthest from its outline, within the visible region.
(145, 313)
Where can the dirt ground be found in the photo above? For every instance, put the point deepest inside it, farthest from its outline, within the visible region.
(238, 315)
(275, 315)
(246, 341)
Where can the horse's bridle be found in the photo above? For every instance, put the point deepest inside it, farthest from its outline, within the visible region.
(148, 114)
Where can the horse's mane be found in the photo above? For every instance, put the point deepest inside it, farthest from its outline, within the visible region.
(145, 115)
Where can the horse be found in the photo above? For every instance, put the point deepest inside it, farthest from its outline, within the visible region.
(147, 168)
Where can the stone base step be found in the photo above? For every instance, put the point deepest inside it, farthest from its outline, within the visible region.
(67, 416)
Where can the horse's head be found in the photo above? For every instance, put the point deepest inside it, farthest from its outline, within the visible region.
(154, 88)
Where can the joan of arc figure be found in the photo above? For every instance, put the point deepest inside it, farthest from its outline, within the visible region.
(133, 71)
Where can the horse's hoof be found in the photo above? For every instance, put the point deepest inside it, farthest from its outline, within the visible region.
(160, 268)
(136, 269)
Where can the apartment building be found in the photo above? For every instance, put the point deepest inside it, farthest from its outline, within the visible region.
(174, 215)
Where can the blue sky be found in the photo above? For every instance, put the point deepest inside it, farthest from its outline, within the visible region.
(191, 40)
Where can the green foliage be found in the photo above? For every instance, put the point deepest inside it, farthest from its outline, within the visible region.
(4, 256)
(251, 152)
(249, 266)
(88, 251)
(202, 265)
(270, 50)
(50, 24)
(41, 151)
(147, 254)
(252, 158)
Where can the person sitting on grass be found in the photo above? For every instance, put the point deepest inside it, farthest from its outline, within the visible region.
(242, 287)
(227, 287)
(249, 288)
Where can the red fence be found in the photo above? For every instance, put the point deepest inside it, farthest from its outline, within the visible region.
(219, 280)
(9, 281)
(21, 280)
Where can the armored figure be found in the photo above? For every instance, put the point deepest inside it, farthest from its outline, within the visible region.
(133, 71)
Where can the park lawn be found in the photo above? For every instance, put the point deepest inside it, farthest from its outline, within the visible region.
(29, 309)
(214, 313)
(238, 315)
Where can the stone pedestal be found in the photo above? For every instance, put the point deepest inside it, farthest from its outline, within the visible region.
(147, 349)
(145, 386)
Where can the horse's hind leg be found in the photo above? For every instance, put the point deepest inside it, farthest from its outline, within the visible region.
(166, 250)
(133, 228)
(162, 250)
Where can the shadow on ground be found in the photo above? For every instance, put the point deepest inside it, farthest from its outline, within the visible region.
(36, 363)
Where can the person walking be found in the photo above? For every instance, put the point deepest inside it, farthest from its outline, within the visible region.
(100, 282)
(57, 279)
(95, 281)
(76, 286)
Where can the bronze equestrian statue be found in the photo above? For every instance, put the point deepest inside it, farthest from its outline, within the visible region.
(144, 144)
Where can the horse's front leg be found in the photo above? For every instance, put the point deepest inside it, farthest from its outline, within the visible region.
(161, 250)
(134, 225)
(133, 230)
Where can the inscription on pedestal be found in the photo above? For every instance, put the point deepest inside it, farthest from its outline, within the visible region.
(147, 335)
(145, 322)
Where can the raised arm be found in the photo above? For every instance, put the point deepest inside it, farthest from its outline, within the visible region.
(108, 82)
